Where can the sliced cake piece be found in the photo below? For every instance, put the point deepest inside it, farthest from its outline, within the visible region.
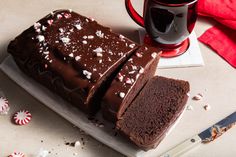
(154, 111)
(129, 81)
(72, 55)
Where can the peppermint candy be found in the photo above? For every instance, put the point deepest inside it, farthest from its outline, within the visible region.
(17, 154)
(22, 117)
(4, 105)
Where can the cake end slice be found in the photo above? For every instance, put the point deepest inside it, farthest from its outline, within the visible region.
(154, 111)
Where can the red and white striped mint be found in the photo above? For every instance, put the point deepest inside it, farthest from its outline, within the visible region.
(17, 154)
(22, 117)
(4, 105)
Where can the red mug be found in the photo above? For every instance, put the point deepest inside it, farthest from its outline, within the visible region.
(168, 23)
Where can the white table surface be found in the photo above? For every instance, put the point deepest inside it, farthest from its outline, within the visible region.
(216, 81)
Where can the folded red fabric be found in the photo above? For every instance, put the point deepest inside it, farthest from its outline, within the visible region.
(220, 38)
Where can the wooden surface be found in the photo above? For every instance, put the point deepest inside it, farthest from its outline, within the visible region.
(216, 81)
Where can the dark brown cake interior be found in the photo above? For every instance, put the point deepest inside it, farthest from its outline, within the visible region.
(154, 111)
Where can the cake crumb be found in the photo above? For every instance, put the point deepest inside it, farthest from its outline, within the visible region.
(122, 94)
(77, 58)
(207, 107)
(154, 55)
(197, 97)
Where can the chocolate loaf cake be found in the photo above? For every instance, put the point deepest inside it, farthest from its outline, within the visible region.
(72, 55)
(154, 111)
(129, 81)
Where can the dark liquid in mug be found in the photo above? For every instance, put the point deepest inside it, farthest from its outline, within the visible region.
(168, 24)
(175, 1)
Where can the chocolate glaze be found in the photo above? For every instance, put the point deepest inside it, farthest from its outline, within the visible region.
(154, 111)
(129, 81)
(72, 55)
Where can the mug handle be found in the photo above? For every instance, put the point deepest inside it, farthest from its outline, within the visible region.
(133, 13)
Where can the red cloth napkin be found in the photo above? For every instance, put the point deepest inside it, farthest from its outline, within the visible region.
(221, 38)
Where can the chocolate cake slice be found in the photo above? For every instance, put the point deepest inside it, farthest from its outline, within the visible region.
(129, 81)
(73, 55)
(154, 111)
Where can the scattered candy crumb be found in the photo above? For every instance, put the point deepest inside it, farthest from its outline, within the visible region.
(197, 97)
(189, 107)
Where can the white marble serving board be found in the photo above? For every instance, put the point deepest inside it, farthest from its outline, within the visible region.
(104, 134)
(191, 58)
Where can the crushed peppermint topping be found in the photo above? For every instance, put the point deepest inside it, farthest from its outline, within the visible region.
(128, 81)
(84, 42)
(132, 45)
(50, 21)
(122, 94)
(46, 52)
(37, 25)
(61, 30)
(59, 16)
(71, 55)
(38, 30)
(87, 74)
(99, 61)
(141, 70)
(85, 37)
(121, 36)
(90, 37)
(139, 55)
(120, 77)
(99, 34)
(131, 72)
(134, 67)
(40, 38)
(77, 58)
(110, 52)
(154, 55)
(70, 10)
(98, 50)
(65, 39)
(44, 28)
(66, 15)
(99, 54)
(78, 26)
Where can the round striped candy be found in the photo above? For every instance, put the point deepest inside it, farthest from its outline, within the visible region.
(17, 154)
(4, 105)
(22, 117)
